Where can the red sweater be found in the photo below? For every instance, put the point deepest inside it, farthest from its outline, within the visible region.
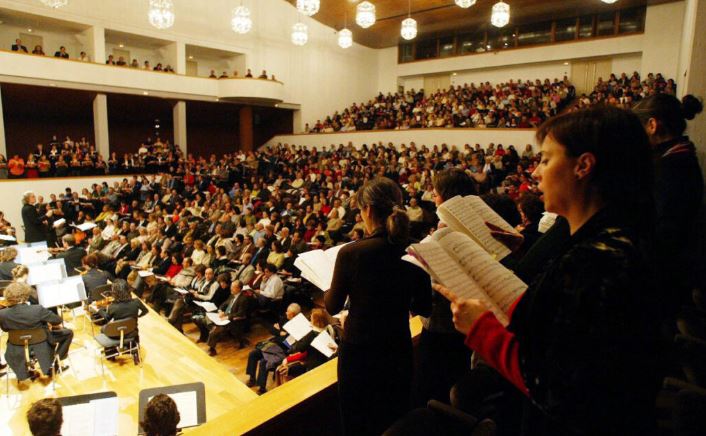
(498, 347)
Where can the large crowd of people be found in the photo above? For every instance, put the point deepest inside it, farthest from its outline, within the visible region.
(522, 104)
(227, 231)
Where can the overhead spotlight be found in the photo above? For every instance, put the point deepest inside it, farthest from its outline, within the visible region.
(191, 57)
(161, 14)
(29, 30)
(121, 45)
(365, 14)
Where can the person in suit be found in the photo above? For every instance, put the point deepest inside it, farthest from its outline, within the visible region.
(73, 255)
(203, 284)
(93, 277)
(245, 272)
(21, 316)
(382, 289)
(17, 46)
(61, 53)
(123, 305)
(261, 253)
(235, 309)
(7, 262)
(34, 223)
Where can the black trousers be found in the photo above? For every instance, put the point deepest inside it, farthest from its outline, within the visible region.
(257, 368)
(374, 386)
(443, 358)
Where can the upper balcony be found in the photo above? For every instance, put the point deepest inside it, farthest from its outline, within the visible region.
(67, 73)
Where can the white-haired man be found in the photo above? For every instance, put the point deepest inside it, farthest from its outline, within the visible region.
(34, 223)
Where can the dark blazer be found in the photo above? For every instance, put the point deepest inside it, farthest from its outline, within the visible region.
(20, 48)
(33, 223)
(93, 278)
(59, 55)
(239, 309)
(72, 258)
(6, 270)
(382, 288)
(21, 317)
(161, 266)
(126, 309)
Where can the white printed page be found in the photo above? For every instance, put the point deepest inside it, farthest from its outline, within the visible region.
(216, 319)
(207, 306)
(298, 326)
(323, 342)
(105, 416)
(187, 405)
(499, 283)
(463, 217)
(488, 214)
(78, 419)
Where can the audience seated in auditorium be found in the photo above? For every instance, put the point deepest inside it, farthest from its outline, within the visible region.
(17, 46)
(38, 50)
(235, 309)
(61, 53)
(83, 57)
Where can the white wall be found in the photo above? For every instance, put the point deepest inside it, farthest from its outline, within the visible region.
(142, 54)
(663, 32)
(387, 65)
(74, 43)
(12, 191)
(430, 137)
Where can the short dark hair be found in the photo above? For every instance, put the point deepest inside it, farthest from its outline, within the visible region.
(45, 418)
(271, 268)
(161, 416)
(452, 182)
(121, 291)
(670, 113)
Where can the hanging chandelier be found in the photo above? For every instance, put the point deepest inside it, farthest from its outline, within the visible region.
(345, 38)
(55, 3)
(365, 14)
(465, 3)
(300, 34)
(308, 7)
(241, 21)
(161, 14)
(409, 28)
(610, 2)
(501, 14)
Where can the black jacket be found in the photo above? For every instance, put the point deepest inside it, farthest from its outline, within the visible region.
(72, 258)
(382, 288)
(35, 230)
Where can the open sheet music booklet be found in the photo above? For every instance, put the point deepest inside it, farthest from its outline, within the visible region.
(468, 215)
(317, 266)
(462, 265)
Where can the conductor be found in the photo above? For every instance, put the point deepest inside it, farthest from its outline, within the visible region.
(34, 223)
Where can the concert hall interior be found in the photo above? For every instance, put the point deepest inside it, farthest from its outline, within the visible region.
(352, 217)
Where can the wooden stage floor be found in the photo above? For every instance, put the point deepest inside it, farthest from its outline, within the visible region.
(169, 358)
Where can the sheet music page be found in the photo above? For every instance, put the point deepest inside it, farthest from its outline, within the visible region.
(145, 273)
(216, 319)
(182, 291)
(298, 326)
(78, 419)
(499, 283)
(317, 266)
(471, 224)
(7, 238)
(41, 273)
(105, 416)
(488, 214)
(322, 342)
(59, 222)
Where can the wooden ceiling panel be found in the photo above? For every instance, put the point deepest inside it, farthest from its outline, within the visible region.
(436, 17)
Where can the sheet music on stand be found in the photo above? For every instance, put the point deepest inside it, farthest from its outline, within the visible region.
(60, 293)
(49, 271)
(35, 252)
(190, 399)
(93, 414)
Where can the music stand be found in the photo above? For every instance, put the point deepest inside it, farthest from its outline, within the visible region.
(83, 415)
(61, 293)
(182, 395)
(50, 271)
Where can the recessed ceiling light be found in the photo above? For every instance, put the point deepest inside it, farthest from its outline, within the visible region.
(145, 93)
(566, 63)
(29, 30)
(218, 99)
(52, 84)
(454, 74)
(191, 57)
(121, 45)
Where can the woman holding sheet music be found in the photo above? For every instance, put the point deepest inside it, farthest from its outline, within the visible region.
(375, 357)
(581, 341)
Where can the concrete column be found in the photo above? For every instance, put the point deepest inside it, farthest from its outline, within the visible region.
(246, 129)
(100, 125)
(179, 123)
(3, 144)
(180, 66)
(692, 74)
(96, 44)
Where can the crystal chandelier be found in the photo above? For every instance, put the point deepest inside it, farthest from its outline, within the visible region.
(161, 14)
(308, 7)
(55, 3)
(501, 14)
(300, 34)
(241, 21)
(345, 38)
(409, 28)
(365, 14)
(465, 3)
(610, 2)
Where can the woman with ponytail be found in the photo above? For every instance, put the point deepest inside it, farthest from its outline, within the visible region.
(678, 190)
(375, 357)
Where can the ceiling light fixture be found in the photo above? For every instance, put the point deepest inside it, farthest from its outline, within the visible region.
(365, 14)
(308, 7)
(465, 3)
(610, 2)
(409, 24)
(241, 21)
(161, 14)
(345, 36)
(55, 3)
(501, 14)
(300, 34)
